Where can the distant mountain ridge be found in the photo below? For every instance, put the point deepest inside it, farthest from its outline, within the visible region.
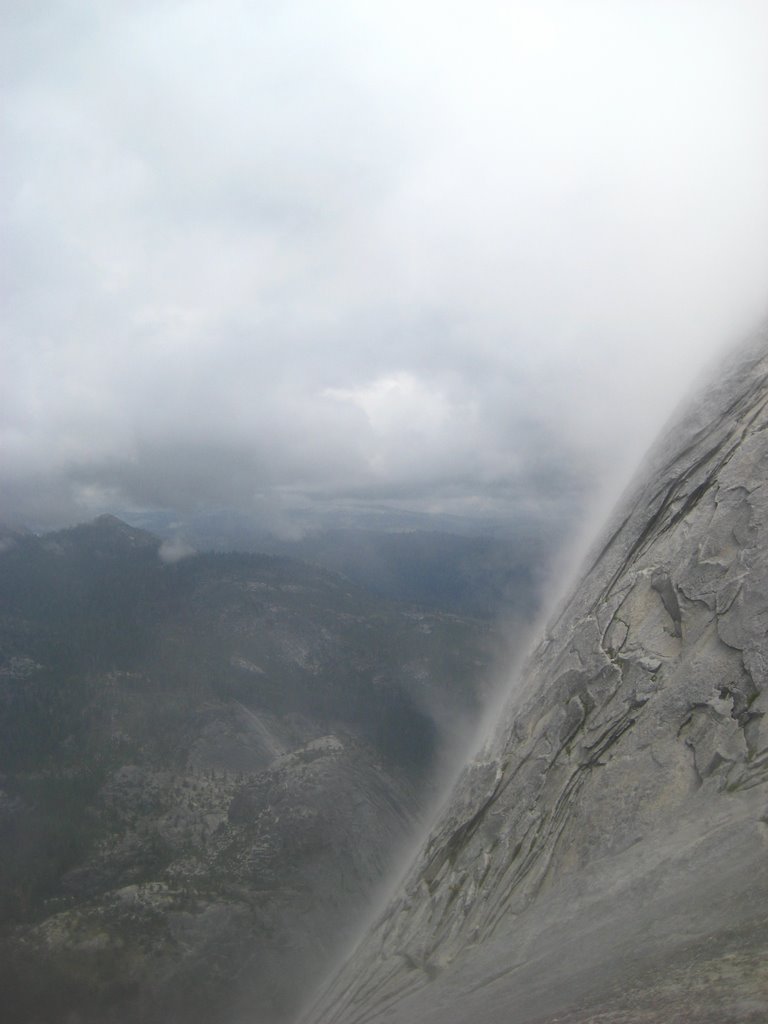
(470, 567)
(602, 860)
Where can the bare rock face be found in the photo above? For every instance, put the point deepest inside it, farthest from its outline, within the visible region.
(604, 858)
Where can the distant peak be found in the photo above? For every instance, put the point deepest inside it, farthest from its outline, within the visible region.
(117, 525)
(111, 529)
(109, 520)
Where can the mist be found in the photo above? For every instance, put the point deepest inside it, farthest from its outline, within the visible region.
(449, 258)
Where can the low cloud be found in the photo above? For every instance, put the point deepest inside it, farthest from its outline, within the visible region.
(172, 551)
(449, 256)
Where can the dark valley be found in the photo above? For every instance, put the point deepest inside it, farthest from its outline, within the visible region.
(207, 766)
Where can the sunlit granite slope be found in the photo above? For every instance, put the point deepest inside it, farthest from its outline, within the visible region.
(604, 858)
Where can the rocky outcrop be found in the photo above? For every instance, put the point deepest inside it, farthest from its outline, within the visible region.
(205, 892)
(604, 857)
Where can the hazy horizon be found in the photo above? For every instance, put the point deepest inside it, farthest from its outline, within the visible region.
(450, 259)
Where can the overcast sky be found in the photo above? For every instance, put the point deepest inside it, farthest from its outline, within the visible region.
(454, 256)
